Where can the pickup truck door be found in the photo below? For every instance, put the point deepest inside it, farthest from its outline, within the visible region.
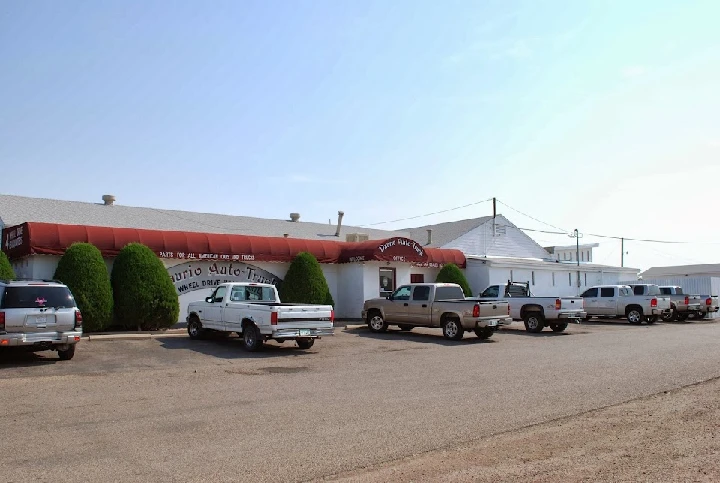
(608, 304)
(396, 311)
(212, 313)
(590, 299)
(419, 307)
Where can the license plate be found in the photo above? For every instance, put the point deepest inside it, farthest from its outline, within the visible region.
(304, 332)
(41, 319)
(493, 323)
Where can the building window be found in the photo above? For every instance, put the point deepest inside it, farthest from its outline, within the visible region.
(586, 279)
(511, 276)
(417, 278)
(570, 279)
(582, 256)
(532, 274)
(553, 277)
(387, 281)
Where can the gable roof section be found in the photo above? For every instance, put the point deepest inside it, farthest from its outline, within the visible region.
(15, 210)
(711, 269)
(445, 233)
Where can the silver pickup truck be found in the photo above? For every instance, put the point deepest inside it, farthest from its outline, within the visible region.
(709, 305)
(682, 305)
(436, 305)
(620, 301)
(536, 312)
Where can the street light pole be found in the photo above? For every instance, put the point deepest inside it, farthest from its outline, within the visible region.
(577, 235)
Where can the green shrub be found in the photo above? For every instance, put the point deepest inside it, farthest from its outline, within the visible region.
(305, 282)
(145, 297)
(83, 270)
(451, 273)
(6, 270)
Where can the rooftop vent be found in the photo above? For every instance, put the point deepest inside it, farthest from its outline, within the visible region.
(340, 217)
(108, 199)
(294, 217)
(429, 232)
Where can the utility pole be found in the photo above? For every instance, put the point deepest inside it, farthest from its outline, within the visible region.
(577, 235)
(622, 252)
(494, 213)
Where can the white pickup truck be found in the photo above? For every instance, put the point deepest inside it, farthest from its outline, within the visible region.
(620, 301)
(255, 313)
(536, 312)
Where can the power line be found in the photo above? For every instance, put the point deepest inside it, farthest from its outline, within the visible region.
(532, 217)
(430, 214)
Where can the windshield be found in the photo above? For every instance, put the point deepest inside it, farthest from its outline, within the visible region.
(31, 297)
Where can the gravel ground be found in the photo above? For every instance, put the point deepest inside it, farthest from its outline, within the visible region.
(171, 409)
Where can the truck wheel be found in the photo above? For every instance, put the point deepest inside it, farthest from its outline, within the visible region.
(682, 317)
(194, 328)
(377, 323)
(252, 339)
(635, 316)
(483, 332)
(534, 322)
(405, 328)
(452, 329)
(67, 354)
(699, 315)
(669, 316)
(305, 343)
(651, 319)
(559, 327)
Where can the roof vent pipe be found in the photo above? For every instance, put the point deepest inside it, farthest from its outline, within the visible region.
(108, 199)
(340, 217)
(294, 216)
(429, 230)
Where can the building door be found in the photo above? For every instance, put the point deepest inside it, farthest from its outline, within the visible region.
(417, 278)
(387, 281)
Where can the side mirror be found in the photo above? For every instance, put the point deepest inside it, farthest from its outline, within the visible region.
(390, 297)
(208, 300)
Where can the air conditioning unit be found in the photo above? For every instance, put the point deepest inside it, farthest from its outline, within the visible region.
(357, 237)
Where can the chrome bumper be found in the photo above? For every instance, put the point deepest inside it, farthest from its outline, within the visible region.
(492, 322)
(572, 315)
(295, 333)
(40, 338)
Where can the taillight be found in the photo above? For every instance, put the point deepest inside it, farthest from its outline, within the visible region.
(476, 310)
(332, 316)
(508, 305)
(273, 318)
(687, 300)
(653, 303)
(708, 301)
(2, 321)
(558, 304)
(78, 319)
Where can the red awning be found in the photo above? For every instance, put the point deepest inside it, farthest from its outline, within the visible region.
(53, 239)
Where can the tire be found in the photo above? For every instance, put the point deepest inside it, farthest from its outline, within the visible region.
(194, 328)
(484, 332)
(534, 322)
(405, 328)
(559, 327)
(682, 317)
(699, 315)
(67, 354)
(669, 316)
(252, 339)
(452, 329)
(651, 319)
(635, 316)
(305, 343)
(376, 323)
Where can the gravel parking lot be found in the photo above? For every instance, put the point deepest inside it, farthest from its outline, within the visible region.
(360, 405)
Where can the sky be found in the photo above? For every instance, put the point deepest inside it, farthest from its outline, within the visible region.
(601, 116)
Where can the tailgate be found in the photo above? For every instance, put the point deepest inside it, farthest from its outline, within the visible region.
(305, 317)
(38, 308)
(497, 308)
(572, 304)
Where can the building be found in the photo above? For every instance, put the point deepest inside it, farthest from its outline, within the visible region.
(203, 249)
(572, 253)
(694, 279)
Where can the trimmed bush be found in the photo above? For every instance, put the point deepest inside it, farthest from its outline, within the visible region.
(305, 282)
(83, 270)
(145, 297)
(451, 273)
(6, 270)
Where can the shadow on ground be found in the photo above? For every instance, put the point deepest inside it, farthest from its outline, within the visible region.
(18, 357)
(231, 347)
(417, 336)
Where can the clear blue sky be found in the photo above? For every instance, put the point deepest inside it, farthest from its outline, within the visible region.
(601, 115)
